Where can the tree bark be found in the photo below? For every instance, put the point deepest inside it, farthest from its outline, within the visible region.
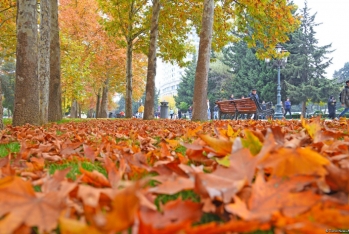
(98, 103)
(44, 58)
(26, 105)
(128, 99)
(201, 74)
(74, 109)
(1, 109)
(304, 109)
(150, 87)
(104, 102)
(55, 99)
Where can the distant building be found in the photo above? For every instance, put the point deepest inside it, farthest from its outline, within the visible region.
(168, 76)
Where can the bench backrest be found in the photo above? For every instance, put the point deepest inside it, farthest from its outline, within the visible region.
(226, 106)
(246, 105)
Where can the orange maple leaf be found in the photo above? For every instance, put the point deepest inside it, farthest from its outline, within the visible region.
(300, 161)
(273, 196)
(21, 205)
(95, 178)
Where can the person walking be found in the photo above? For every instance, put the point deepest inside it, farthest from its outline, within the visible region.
(331, 105)
(141, 111)
(208, 109)
(179, 114)
(288, 107)
(344, 99)
(190, 110)
(215, 112)
(254, 94)
(171, 113)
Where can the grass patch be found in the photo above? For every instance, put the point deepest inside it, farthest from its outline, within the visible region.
(69, 120)
(6, 149)
(59, 133)
(74, 165)
(181, 149)
(262, 232)
(7, 121)
(208, 218)
(185, 195)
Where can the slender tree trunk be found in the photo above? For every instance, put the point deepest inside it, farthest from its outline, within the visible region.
(304, 109)
(2, 109)
(150, 87)
(98, 103)
(44, 58)
(26, 104)
(128, 99)
(104, 102)
(79, 111)
(201, 74)
(74, 109)
(55, 99)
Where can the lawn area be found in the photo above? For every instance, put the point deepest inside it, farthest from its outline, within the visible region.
(175, 176)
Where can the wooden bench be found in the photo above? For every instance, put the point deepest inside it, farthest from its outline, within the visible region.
(237, 107)
(226, 108)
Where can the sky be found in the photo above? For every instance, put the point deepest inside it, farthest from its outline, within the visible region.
(334, 16)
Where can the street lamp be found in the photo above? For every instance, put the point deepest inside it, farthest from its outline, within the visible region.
(279, 62)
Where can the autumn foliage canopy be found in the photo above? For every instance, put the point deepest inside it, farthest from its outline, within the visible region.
(161, 176)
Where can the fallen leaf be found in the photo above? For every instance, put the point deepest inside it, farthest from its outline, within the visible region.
(18, 199)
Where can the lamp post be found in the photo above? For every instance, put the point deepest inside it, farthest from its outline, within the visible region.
(280, 62)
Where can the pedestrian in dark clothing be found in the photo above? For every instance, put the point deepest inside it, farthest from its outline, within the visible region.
(288, 107)
(264, 107)
(345, 99)
(331, 104)
(254, 94)
(231, 97)
(190, 110)
(179, 114)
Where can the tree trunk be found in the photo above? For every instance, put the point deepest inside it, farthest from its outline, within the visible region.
(150, 87)
(104, 102)
(79, 111)
(304, 109)
(74, 109)
(90, 113)
(55, 99)
(2, 109)
(98, 103)
(201, 74)
(128, 100)
(26, 105)
(44, 58)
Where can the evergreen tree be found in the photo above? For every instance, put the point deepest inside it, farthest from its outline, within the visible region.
(185, 91)
(249, 72)
(304, 73)
(342, 74)
(219, 83)
(7, 76)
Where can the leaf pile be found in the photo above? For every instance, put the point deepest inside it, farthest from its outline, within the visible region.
(161, 176)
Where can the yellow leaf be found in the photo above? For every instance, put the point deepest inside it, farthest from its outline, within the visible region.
(311, 128)
(230, 131)
(251, 142)
(70, 226)
(224, 161)
(220, 146)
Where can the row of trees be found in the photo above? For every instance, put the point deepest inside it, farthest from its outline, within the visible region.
(102, 41)
(303, 78)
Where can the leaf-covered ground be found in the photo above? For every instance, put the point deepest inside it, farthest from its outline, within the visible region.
(162, 176)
